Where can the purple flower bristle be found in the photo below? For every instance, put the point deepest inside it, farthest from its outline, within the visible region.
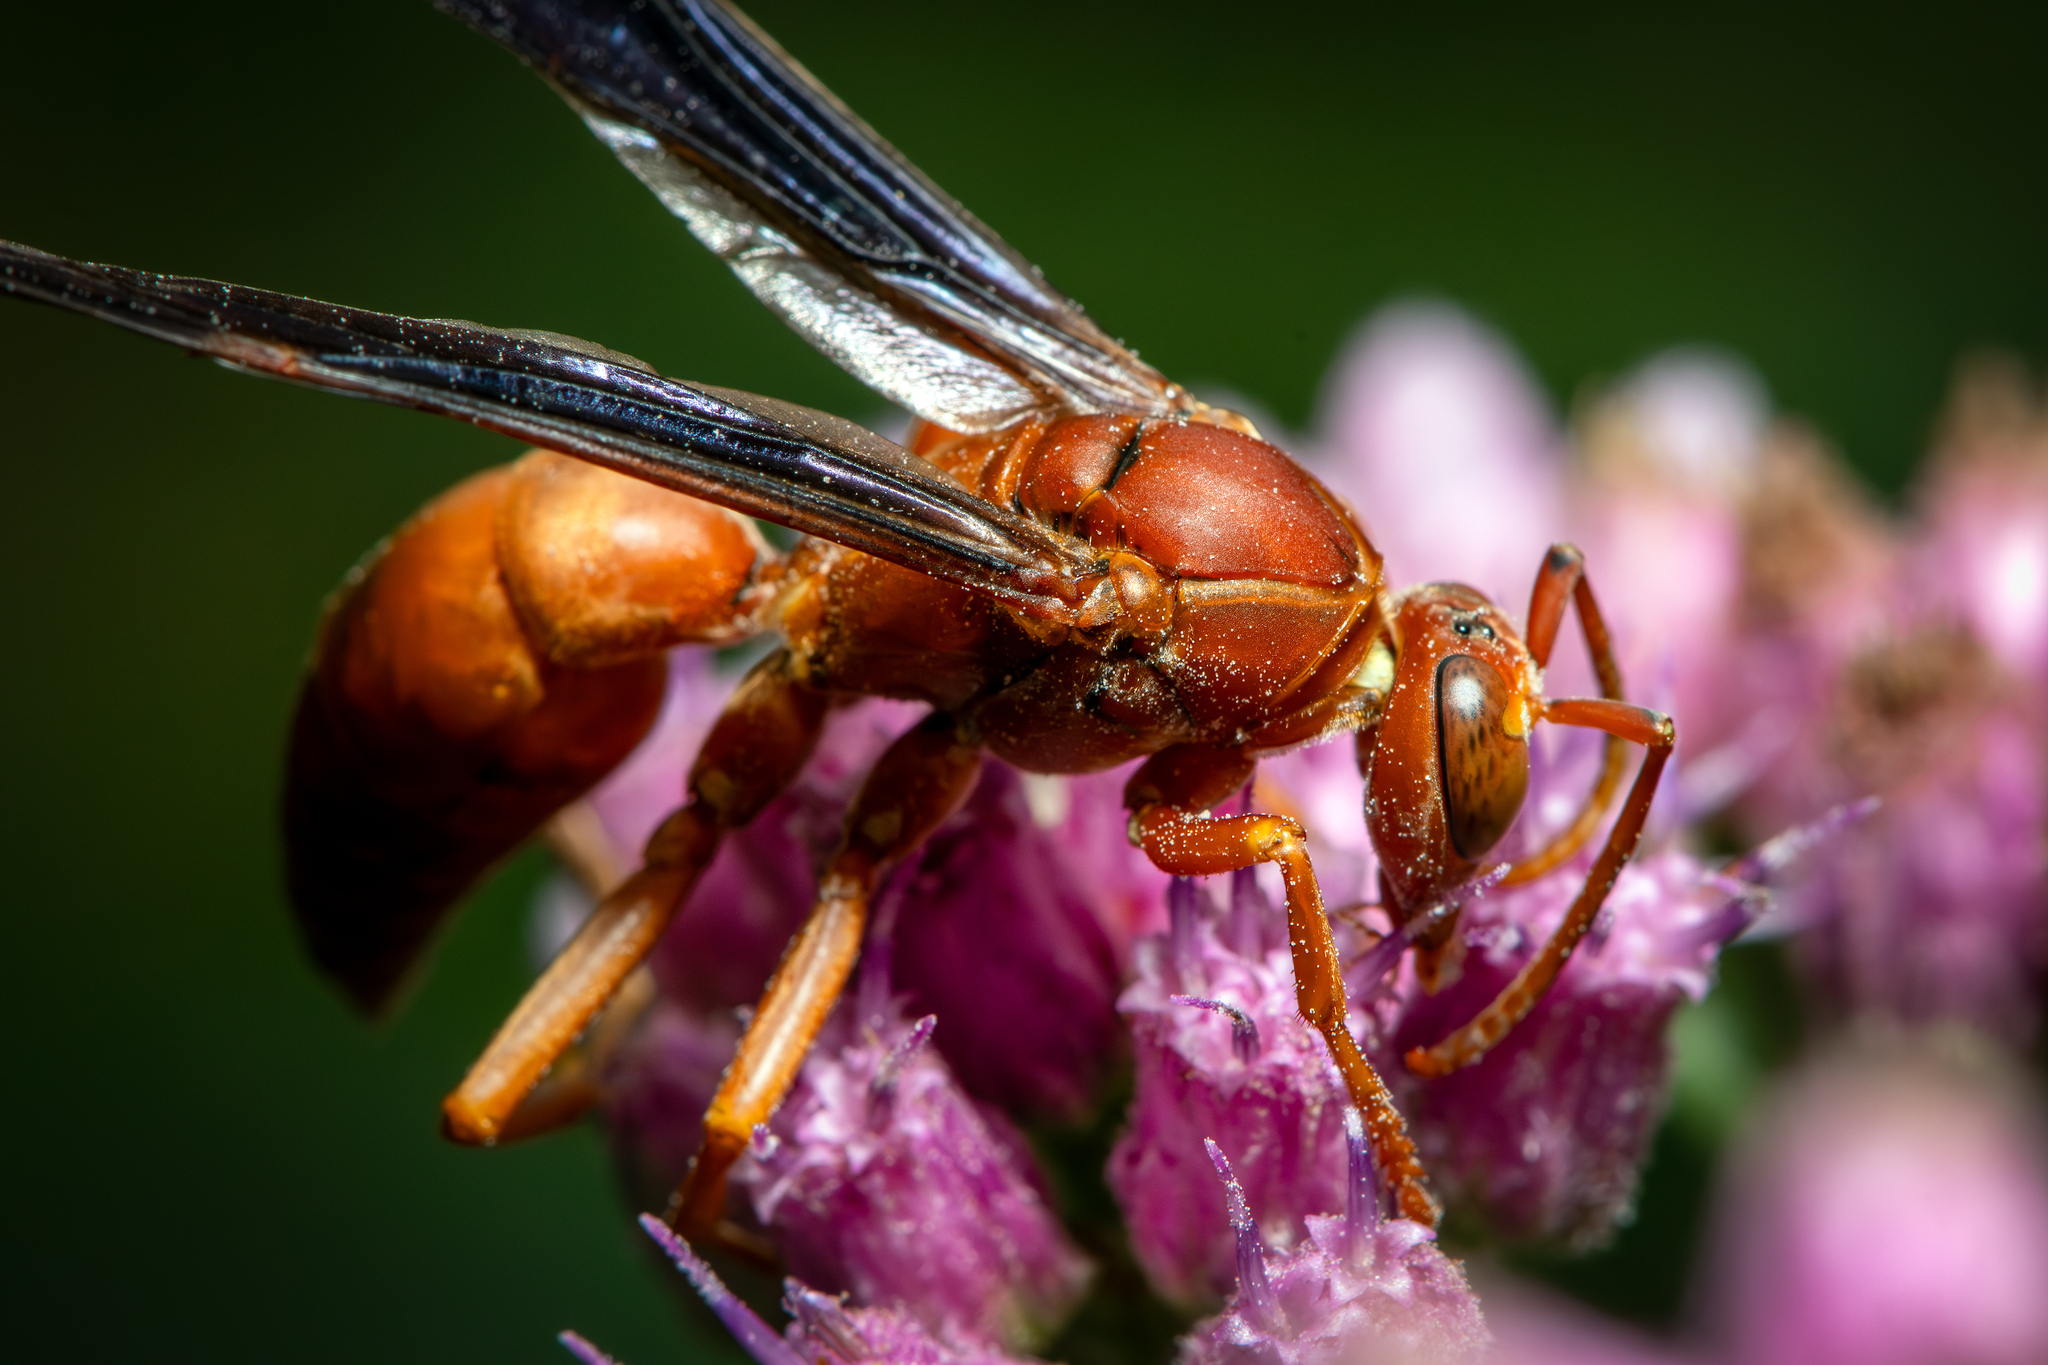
(1361, 1186)
(1254, 1295)
(1779, 852)
(883, 1086)
(1244, 1030)
(580, 1347)
(761, 1341)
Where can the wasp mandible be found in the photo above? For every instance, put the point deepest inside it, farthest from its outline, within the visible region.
(1075, 563)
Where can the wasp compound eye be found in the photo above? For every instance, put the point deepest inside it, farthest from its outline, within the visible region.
(1485, 769)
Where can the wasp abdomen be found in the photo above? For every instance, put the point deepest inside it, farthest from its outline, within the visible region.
(495, 659)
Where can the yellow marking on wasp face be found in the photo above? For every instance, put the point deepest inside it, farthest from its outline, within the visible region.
(1376, 674)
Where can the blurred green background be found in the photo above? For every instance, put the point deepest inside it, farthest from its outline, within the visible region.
(206, 1155)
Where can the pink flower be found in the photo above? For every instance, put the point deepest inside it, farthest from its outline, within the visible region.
(1985, 503)
(1004, 927)
(879, 1177)
(657, 1089)
(1813, 652)
(1222, 1055)
(996, 932)
(823, 1330)
(1891, 1209)
(1088, 830)
(1939, 908)
(1360, 1288)
(1667, 459)
(751, 900)
(1434, 430)
(718, 953)
(1531, 1327)
(1544, 1138)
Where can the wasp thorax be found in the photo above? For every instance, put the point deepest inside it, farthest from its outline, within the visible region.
(1485, 766)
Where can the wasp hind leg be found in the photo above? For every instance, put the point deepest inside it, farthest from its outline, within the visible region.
(922, 779)
(1167, 798)
(758, 745)
(574, 1085)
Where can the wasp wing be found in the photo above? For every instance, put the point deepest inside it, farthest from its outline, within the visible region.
(826, 223)
(791, 465)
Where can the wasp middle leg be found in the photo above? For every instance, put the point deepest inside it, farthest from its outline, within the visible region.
(918, 782)
(1168, 798)
(757, 747)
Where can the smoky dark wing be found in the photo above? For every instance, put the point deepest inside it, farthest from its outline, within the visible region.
(794, 466)
(827, 224)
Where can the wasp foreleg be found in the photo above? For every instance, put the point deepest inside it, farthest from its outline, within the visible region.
(1562, 583)
(1626, 723)
(1167, 798)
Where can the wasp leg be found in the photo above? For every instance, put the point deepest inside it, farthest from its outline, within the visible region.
(1167, 798)
(577, 837)
(1560, 583)
(574, 1085)
(920, 781)
(756, 748)
(1627, 724)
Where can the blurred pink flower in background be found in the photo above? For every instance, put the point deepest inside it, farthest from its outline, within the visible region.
(1435, 432)
(1667, 457)
(1890, 1209)
(1533, 1327)
(1938, 910)
(1888, 1206)
(1984, 505)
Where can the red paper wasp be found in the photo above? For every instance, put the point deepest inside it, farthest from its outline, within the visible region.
(1074, 563)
